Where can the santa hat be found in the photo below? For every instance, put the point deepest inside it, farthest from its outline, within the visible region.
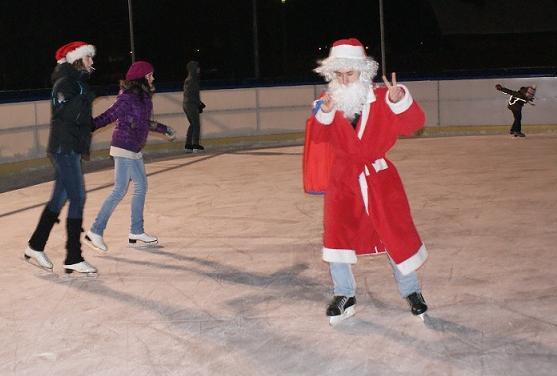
(350, 48)
(138, 70)
(74, 51)
(347, 54)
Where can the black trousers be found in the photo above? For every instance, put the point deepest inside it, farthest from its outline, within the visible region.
(192, 113)
(517, 125)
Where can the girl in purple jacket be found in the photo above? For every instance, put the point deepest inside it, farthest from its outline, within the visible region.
(132, 113)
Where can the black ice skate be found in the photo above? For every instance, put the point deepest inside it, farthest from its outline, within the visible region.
(417, 304)
(519, 134)
(341, 308)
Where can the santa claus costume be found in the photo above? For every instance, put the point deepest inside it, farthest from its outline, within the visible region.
(366, 210)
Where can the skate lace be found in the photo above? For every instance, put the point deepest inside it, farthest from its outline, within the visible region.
(341, 302)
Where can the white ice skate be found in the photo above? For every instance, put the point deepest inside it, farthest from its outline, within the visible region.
(41, 259)
(142, 240)
(81, 267)
(95, 241)
(341, 308)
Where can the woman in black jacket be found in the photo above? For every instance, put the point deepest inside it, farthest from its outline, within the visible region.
(69, 142)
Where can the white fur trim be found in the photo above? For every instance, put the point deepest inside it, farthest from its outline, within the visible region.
(379, 165)
(365, 113)
(347, 256)
(347, 51)
(325, 118)
(403, 104)
(414, 262)
(366, 66)
(371, 97)
(363, 188)
(80, 52)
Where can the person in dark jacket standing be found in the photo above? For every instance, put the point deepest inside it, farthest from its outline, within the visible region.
(69, 142)
(517, 100)
(193, 106)
(132, 113)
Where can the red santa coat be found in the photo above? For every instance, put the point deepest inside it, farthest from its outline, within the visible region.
(366, 210)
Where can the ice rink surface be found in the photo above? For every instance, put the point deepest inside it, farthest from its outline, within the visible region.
(237, 286)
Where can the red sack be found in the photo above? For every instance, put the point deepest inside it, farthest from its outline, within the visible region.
(318, 157)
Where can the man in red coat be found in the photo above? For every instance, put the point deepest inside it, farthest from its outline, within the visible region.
(353, 126)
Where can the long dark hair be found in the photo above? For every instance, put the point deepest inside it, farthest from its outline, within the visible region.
(139, 87)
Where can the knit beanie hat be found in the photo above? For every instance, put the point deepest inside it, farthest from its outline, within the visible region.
(74, 51)
(138, 70)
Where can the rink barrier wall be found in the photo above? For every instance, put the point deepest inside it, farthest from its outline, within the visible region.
(274, 114)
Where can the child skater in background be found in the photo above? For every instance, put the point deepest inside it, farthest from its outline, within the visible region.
(132, 113)
(517, 100)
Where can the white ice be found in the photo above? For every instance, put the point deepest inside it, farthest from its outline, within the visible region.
(238, 286)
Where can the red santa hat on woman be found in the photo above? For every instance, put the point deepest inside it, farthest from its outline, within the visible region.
(74, 51)
(347, 54)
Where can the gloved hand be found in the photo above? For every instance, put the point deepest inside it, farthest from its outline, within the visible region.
(201, 107)
(170, 133)
(498, 87)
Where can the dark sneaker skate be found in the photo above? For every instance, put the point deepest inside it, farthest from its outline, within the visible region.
(417, 304)
(341, 308)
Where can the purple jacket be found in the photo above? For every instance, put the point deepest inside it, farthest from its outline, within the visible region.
(132, 113)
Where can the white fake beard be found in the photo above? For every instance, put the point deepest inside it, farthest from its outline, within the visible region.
(349, 99)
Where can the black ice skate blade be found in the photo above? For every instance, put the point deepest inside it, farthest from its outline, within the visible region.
(32, 261)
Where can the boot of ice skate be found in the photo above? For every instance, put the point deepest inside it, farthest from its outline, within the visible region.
(417, 304)
(142, 239)
(37, 242)
(74, 260)
(96, 241)
(341, 308)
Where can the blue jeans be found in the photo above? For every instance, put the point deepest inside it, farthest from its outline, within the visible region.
(345, 285)
(125, 169)
(68, 184)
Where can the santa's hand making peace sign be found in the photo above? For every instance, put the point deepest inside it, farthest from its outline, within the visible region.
(395, 92)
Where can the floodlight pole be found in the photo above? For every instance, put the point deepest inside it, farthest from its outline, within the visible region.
(381, 24)
(255, 40)
(130, 17)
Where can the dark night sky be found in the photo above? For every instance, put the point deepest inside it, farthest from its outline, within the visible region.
(424, 37)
